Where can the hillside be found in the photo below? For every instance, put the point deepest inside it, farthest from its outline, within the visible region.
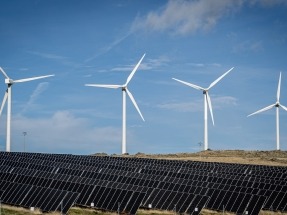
(275, 158)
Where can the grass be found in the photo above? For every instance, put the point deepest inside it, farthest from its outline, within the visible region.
(9, 210)
(273, 158)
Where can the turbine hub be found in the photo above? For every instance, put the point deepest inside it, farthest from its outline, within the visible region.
(204, 91)
(277, 104)
(124, 88)
(8, 81)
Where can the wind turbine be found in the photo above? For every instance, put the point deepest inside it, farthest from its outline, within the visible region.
(125, 90)
(8, 96)
(277, 105)
(207, 102)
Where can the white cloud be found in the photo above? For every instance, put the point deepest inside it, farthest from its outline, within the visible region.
(123, 68)
(54, 57)
(64, 133)
(254, 46)
(156, 62)
(47, 55)
(196, 64)
(185, 17)
(268, 3)
(216, 64)
(182, 106)
(23, 69)
(147, 64)
(218, 102)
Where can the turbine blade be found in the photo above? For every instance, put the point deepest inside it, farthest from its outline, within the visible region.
(31, 79)
(263, 109)
(134, 102)
(284, 107)
(209, 106)
(4, 101)
(218, 79)
(104, 86)
(134, 70)
(189, 84)
(278, 89)
(4, 73)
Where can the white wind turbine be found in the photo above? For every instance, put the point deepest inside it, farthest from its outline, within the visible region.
(277, 105)
(125, 90)
(8, 96)
(207, 102)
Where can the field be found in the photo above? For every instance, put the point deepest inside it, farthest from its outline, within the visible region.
(8, 210)
(274, 158)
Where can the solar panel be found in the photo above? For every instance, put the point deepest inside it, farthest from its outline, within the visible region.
(283, 202)
(174, 197)
(255, 204)
(134, 202)
(114, 199)
(163, 183)
(197, 204)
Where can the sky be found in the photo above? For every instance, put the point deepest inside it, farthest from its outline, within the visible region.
(99, 42)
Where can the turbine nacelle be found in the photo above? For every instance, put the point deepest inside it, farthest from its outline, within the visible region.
(9, 81)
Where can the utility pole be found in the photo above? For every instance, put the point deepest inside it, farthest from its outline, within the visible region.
(24, 135)
(200, 149)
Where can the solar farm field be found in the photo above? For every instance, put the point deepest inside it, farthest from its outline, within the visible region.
(179, 183)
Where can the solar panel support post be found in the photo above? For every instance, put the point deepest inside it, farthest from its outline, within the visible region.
(174, 209)
(62, 207)
(119, 205)
(223, 210)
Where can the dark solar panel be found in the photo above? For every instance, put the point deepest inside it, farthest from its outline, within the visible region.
(255, 205)
(197, 204)
(228, 205)
(110, 183)
(135, 202)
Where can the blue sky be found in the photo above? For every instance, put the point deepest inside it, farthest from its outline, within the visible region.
(99, 42)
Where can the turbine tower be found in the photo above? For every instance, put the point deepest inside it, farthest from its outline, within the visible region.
(8, 96)
(276, 105)
(207, 102)
(125, 90)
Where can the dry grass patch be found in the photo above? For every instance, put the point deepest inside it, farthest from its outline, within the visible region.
(272, 158)
(9, 210)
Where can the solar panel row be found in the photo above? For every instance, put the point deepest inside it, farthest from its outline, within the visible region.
(43, 198)
(185, 186)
